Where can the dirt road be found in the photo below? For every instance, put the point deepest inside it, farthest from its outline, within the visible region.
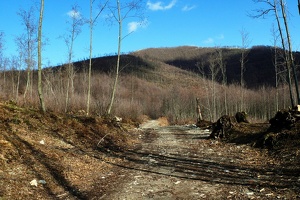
(178, 162)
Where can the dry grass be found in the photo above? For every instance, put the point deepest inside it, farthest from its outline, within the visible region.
(163, 121)
(148, 86)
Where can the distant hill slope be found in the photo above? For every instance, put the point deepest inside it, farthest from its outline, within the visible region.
(151, 70)
(150, 64)
(259, 62)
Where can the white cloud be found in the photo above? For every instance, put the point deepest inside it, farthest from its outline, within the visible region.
(188, 8)
(160, 5)
(209, 41)
(212, 40)
(74, 14)
(133, 26)
(171, 5)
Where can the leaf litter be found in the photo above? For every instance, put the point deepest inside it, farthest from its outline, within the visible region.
(55, 156)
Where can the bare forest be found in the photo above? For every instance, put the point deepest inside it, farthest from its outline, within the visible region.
(154, 82)
(158, 82)
(180, 122)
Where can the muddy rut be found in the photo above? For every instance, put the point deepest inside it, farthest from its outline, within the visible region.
(178, 162)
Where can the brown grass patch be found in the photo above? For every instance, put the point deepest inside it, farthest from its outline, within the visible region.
(163, 121)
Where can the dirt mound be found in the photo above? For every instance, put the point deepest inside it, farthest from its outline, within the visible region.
(282, 140)
(53, 156)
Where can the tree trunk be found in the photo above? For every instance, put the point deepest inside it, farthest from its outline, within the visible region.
(291, 57)
(199, 115)
(245, 43)
(120, 21)
(287, 63)
(90, 61)
(40, 86)
(70, 71)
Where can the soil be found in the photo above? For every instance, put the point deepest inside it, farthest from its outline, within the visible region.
(179, 162)
(52, 156)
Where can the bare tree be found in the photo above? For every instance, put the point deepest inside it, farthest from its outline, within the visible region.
(290, 51)
(243, 61)
(276, 65)
(16, 65)
(76, 22)
(214, 70)
(211, 73)
(40, 86)
(273, 7)
(201, 65)
(92, 22)
(120, 13)
(222, 65)
(27, 42)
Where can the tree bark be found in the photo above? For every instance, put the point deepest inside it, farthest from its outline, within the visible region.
(90, 60)
(199, 115)
(286, 57)
(40, 86)
(120, 22)
(291, 57)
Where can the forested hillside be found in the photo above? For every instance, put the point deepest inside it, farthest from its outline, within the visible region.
(259, 70)
(160, 82)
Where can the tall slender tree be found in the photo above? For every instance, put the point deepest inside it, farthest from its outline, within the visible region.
(92, 22)
(222, 65)
(290, 51)
(76, 22)
(243, 61)
(286, 58)
(120, 23)
(120, 13)
(27, 43)
(40, 85)
(275, 6)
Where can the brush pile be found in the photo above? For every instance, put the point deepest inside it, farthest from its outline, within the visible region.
(285, 119)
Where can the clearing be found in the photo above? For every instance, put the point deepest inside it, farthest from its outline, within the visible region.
(52, 156)
(178, 162)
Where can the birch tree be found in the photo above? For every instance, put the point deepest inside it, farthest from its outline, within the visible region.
(276, 7)
(121, 12)
(92, 22)
(243, 61)
(27, 43)
(211, 72)
(76, 22)
(290, 51)
(222, 65)
(40, 86)
(276, 65)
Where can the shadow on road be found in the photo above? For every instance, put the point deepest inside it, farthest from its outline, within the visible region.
(205, 168)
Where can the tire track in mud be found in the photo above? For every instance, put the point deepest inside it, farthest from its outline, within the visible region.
(178, 162)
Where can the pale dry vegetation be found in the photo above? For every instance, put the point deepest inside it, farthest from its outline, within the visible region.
(148, 86)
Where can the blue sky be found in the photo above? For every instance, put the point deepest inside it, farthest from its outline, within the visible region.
(167, 23)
